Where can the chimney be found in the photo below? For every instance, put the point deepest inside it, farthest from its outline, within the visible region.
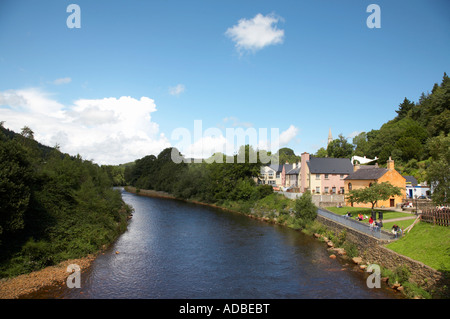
(390, 164)
(356, 167)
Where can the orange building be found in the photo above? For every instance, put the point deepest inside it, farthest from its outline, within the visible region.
(363, 176)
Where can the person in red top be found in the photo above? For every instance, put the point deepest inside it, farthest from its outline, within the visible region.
(371, 222)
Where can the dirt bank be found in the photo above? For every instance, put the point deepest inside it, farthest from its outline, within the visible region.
(16, 287)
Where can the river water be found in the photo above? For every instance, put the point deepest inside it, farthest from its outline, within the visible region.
(174, 249)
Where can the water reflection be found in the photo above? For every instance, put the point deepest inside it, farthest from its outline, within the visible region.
(174, 249)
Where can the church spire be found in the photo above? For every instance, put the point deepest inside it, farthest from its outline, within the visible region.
(330, 137)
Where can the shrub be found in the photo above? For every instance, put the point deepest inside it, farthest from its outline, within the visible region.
(351, 249)
(304, 208)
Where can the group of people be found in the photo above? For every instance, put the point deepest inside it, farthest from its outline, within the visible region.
(373, 224)
(376, 225)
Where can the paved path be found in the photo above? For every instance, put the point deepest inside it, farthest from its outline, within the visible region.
(399, 219)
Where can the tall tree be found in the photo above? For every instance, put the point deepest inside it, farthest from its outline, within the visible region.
(361, 144)
(404, 108)
(340, 148)
(15, 178)
(438, 172)
(321, 152)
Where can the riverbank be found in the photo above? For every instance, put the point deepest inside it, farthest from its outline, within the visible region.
(53, 276)
(348, 247)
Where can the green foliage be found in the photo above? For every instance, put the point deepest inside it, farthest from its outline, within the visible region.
(321, 152)
(404, 108)
(213, 181)
(274, 202)
(374, 193)
(361, 145)
(52, 206)
(15, 178)
(287, 155)
(438, 172)
(305, 208)
(340, 148)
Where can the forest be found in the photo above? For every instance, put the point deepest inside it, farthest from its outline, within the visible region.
(53, 206)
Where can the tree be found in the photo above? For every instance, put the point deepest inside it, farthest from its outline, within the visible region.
(321, 152)
(340, 148)
(15, 178)
(438, 172)
(361, 144)
(404, 108)
(305, 208)
(287, 155)
(374, 193)
(27, 132)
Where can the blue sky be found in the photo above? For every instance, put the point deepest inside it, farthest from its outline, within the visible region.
(117, 88)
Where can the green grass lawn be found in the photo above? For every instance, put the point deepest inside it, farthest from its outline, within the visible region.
(387, 214)
(427, 243)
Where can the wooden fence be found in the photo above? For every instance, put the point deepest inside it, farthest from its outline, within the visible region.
(437, 216)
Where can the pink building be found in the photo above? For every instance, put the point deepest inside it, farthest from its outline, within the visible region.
(324, 175)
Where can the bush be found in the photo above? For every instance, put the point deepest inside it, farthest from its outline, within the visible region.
(305, 209)
(351, 249)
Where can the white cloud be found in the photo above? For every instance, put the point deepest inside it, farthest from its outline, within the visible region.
(257, 33)
(288, 135)
(177, 90)
(62, 81)
(107, 131)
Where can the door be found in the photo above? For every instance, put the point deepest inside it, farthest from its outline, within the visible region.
(392, 202)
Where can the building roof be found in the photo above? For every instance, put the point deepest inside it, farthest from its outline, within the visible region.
(329, 165)
(367, 173)
(294, 171)
(411, 179)
(288, 167)
(276, 168)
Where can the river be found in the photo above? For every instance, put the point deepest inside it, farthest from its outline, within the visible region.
(173, 249)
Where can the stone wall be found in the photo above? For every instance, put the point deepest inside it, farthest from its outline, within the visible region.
(290, 195)
(328, 200)
(373, 251)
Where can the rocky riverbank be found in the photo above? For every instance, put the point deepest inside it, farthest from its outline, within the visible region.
(52, 276)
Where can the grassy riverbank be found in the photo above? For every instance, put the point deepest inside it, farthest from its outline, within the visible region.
(421, 244)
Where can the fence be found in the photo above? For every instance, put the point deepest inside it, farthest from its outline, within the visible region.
(437, 216)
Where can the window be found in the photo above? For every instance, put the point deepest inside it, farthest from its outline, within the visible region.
(317, 189)
(326, 176)
(270, 175)
(341, 190)
(333, 190)
(326, 190)
(342, 176)
(317, 176)
(349, 186)
(278, 175)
